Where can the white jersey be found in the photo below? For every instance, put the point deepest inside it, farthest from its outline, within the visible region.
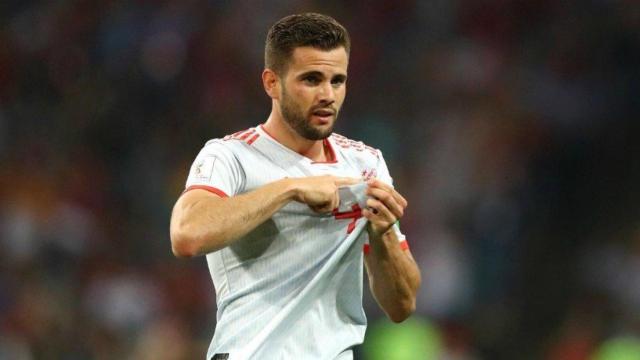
(291, 288)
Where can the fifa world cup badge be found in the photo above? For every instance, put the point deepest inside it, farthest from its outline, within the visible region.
(203, 169)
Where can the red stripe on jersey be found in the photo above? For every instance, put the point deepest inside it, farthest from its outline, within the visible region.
(266, 132)
(253, 138)
(247, 134)
(331, 158)
(354, 215)
(326, 143)
(404, 245)
(210, 189)
(238, 134)
(356, 212)
(235, 134)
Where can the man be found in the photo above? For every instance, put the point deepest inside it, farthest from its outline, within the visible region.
(283, 212)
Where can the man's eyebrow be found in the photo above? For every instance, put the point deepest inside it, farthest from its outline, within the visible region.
(311, 73)
(319, 74)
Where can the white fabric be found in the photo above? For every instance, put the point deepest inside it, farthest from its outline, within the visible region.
(292, 288)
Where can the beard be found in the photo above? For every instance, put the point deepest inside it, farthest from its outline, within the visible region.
(300, 122)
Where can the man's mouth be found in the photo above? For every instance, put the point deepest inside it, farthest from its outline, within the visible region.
(323, 114)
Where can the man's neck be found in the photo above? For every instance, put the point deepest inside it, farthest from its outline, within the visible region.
(285, 135)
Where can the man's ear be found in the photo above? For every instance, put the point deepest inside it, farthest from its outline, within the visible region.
(271, 83)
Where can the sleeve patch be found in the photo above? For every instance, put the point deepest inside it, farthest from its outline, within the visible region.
(203, 169)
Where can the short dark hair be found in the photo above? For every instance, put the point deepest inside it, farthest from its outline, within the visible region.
(310, 29)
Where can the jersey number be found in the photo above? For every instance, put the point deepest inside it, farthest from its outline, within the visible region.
(354, 215)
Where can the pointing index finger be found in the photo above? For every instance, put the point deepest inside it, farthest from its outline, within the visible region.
(345, 181)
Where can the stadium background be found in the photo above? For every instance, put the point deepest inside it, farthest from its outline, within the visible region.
(511, 126)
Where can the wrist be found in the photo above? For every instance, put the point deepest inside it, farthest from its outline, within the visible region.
(290, 189)
(378, 236)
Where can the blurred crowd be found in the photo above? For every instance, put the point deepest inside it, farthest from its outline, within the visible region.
(511, 126)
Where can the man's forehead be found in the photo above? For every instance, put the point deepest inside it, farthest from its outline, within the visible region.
(310, 58)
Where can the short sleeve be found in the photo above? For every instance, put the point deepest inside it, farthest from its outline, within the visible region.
(382, 171)
(217, 170)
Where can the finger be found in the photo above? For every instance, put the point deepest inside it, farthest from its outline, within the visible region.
(371, 216)
(335, 203)
(388, 200)
(380, 184)
(368, 214)
(323, 208)
(345, 181)
(383, 213)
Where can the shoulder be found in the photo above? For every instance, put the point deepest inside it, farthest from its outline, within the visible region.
(355, 149)
(232, 145)
(367, 158)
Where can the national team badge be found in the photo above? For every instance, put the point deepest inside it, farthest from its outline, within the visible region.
(368, 174)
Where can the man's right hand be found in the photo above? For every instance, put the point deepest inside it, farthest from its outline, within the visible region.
(320, 193)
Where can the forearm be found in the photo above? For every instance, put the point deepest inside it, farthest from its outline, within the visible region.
(394, 277)
(202, 223)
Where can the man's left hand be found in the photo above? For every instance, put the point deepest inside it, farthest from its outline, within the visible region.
(384, 207)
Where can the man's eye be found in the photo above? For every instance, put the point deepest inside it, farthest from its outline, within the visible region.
(338, 81)
(311, 80)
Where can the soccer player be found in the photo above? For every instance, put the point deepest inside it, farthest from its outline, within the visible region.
(286, 213)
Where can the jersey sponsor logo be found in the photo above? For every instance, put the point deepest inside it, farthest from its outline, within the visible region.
(203, 169)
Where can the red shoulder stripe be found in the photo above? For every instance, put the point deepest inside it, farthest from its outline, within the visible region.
(253, 138)
(247, 134)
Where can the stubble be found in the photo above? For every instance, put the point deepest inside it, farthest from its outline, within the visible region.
(299, 121)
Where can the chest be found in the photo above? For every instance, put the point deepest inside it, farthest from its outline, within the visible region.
(295, 218)
(260, 170)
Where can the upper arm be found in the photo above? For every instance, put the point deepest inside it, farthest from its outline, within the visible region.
(192, 198)
(217, 170)
(187, 201)
(181, 231)
(214, 174)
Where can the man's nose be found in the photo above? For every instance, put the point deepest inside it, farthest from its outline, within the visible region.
(327, 93)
